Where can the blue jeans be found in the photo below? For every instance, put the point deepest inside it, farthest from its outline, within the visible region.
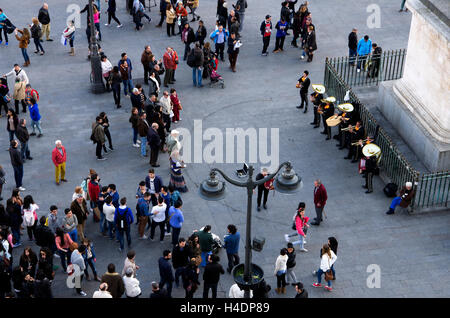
(64, 256)
(197, 73)
(74, 235)
(143, 145)
(129, 84)
(352, 54)
(90, 262)
(396, 201)
(18, 175)
(135, 135)
(16, 234)
(38, 45)
(24, 151)
(25, 55)
(36, 124)
(205, 256)
(103, 226)
(319, 277)
(361, 59)
(110, 229)
(120, 234)
(11, 135)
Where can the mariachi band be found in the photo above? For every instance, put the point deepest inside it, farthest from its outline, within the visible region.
(351, 133)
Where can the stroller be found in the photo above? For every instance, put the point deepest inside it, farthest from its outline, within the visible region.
(216, 79)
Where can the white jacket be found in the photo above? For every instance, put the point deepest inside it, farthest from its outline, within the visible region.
(161, 215)
(29, 215)
(236, 292)
(166, 105)
(132, 288)
(102, 294)
(106, 66)
(280, 264)
(326, 262)
(109, 211)
(22, 76)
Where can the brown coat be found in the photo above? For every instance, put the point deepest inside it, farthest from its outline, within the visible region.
(115, 284)
(406, 201)
(23, 40)
(76, 209)
(145, 58)
(143, 128)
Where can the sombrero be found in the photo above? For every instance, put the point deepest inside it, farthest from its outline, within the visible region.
(318, 88)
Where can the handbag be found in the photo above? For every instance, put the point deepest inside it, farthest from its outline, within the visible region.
(329, 273)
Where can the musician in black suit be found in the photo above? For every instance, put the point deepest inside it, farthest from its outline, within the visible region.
(304, 83)
(327, 112)
(316, 100)
(371, 167)
(346, 120)
(356, 134)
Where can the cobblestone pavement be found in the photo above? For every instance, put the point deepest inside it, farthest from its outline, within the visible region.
(411, 250)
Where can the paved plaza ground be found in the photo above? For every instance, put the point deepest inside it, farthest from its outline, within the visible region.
(411, 250)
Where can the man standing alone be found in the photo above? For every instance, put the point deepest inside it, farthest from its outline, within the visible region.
(232, 246)
(59, 157)
(98, 137)
(17, 163)
(211, 276)
(44, 19)
(266, 31)
(320, 199)
(304, 83)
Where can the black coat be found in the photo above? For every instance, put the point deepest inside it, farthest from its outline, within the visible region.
(43, 288)
(311, 41)
(22, 133)
(352, 41)
(44, 236)
(15, 213)
(160, 294)
(199, 57)
(291, 259)
(44, 16)
(165, 270)
(212, 273)
(153, 138)
(16, 157)
(191, 36)
(303, 294)
(285, 14)
(181, 258)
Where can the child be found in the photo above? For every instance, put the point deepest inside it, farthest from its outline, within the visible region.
(90, 259)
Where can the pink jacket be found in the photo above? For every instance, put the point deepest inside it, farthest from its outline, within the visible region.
(299, 224)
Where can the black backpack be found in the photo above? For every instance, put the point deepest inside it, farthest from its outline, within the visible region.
(390, 190)
(122, 222)
(191, 59)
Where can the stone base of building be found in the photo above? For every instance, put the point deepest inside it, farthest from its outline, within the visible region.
(399, 105)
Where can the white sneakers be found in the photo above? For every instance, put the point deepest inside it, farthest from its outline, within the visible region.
(21, 188)
(138, 141)
(303, 250)
(120, 25)
(106, 24)
(358, 70)
(286, 238)
(136, 145)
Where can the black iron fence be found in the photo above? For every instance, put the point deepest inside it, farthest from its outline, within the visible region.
(432, 189)
(373, 69)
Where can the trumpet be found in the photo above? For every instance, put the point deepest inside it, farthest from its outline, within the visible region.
(357, 142)
(347, 128)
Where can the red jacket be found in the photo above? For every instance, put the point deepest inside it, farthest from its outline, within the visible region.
(320, 196)
(94, 191)
(57, 158)
(169, 63)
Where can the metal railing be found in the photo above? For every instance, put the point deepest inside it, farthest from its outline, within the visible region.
(392, 162)
(433, 190)
(388, 66)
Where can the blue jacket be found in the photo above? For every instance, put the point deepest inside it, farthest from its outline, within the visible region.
(364, 48)
(281, 29)
(166, 199)
(215, 35)
(115, 199)
(177, 219)
(92, 251)
(157, 182)
(34, 112)
(129, 217)
(130, 67)
(143, 207)
(165, 270)
(232, 243)
(3, 17)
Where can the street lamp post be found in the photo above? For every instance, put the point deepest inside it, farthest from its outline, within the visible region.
(212, 189)
(97, 85)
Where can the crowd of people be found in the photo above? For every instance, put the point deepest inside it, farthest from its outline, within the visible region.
(62, 233)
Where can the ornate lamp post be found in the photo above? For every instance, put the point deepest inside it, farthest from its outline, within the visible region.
(213, 189)
(96, 67)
